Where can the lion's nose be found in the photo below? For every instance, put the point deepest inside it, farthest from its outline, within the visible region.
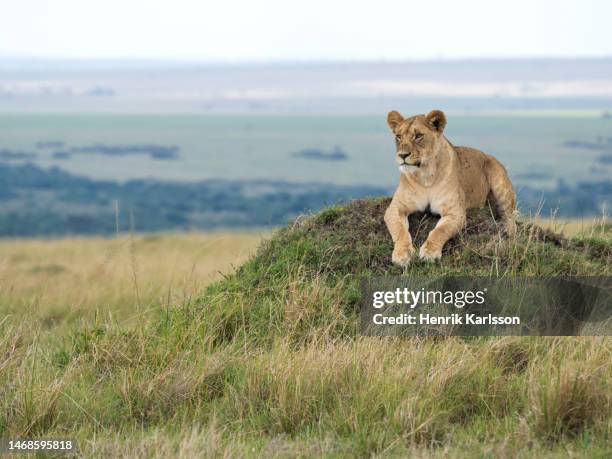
(404, 155)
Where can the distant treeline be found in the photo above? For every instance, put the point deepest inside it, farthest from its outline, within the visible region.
(6, 154)
(45, 202)
(154, 151)
(164, 152)
(586, 199)
(36, 201)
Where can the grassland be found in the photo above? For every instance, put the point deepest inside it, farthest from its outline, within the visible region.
(138, 346)
(65, 282)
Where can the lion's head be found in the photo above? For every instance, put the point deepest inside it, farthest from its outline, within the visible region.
(416, 138)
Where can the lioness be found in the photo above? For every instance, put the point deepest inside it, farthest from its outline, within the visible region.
(445, 179)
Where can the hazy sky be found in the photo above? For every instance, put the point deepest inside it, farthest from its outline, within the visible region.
(312, 29)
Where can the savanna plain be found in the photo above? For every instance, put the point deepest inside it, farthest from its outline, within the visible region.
(246, 345)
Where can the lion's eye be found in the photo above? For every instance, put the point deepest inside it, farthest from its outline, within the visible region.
(398, 138)
(418, 136)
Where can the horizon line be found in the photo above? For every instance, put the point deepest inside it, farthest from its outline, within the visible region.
(280, 61)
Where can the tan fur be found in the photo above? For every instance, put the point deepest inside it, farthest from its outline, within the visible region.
(447, 180)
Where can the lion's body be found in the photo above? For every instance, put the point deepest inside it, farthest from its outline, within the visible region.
(473, 168)
(445, 179)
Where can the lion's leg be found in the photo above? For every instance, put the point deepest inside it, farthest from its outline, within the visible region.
(396, 219)
(448, 226)
(503, 193)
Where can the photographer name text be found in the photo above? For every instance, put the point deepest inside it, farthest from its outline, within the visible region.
(451, 319)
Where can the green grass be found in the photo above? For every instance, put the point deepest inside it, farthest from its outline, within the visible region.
(269, 362)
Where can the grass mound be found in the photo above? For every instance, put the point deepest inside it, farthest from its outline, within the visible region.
(353, 240)
(269, 361)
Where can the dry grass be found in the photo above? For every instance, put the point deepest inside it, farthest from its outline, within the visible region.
(574, 226)
(74, 279)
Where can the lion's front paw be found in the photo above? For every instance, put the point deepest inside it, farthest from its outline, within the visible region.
(402, 255)
(429, 252)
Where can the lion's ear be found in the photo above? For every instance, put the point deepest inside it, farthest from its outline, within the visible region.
(393, 119)
(437, 120)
